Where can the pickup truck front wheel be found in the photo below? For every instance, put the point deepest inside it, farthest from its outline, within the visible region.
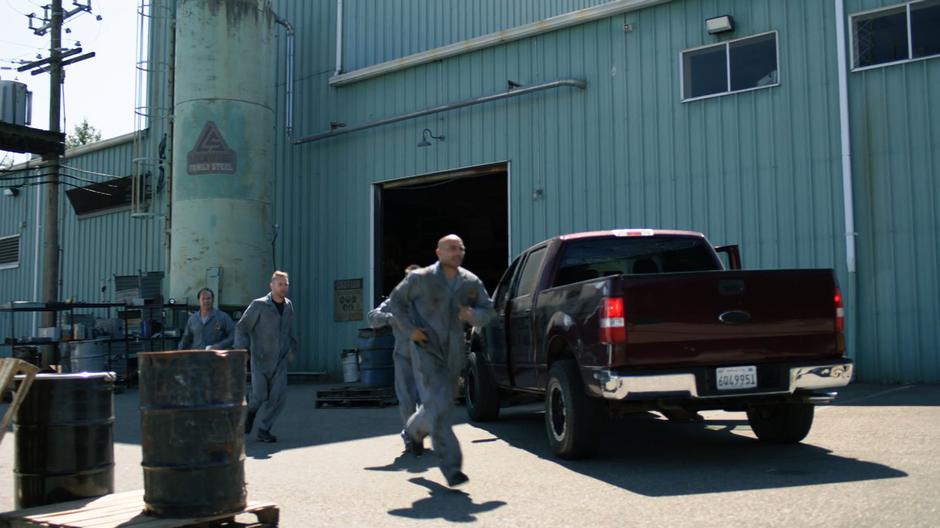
(782, 423)
(572, 418)
(481, 390)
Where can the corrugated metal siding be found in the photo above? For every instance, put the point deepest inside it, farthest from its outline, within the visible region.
(895, 115)
(18, 217)
(107, 244)
(381, 30)
(93, 248)
(759, 168)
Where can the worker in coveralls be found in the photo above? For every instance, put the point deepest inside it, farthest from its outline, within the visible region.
(208, 328)
(268, 325)
(405, 389)
(432, 305)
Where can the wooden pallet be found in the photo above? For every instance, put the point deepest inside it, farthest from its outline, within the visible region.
(9, 369)
(127, 510)
(356, 396)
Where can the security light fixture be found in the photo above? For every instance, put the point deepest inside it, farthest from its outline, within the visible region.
(719, 24)
(425, 134)
(11, 191)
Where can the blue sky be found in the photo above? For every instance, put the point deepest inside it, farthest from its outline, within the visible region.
(100, 89)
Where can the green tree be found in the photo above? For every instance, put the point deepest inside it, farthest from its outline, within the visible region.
(83, 134)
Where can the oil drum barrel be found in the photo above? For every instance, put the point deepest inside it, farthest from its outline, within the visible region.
(192, 423)
(376, 366)
(64, 439)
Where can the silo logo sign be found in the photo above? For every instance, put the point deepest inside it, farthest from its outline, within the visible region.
(211, 154)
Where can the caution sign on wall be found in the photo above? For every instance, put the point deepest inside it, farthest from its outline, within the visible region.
(347, 300)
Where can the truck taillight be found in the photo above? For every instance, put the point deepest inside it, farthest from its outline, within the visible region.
(840, 311)
(613, 321)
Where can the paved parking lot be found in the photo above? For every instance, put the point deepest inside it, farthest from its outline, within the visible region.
(870, 460)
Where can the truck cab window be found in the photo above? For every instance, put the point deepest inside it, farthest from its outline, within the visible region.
(530, 273)
(600, 257)
(501, 295)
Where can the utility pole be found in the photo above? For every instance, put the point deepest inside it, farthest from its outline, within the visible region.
(50, 244)
(52, 22)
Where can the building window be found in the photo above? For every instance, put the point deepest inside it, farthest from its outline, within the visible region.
(896, 34)
(734, 66)
(9, 252)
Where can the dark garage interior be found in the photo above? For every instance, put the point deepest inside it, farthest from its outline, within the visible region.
(412, 215)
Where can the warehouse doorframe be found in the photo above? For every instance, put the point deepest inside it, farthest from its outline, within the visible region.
(409, 215)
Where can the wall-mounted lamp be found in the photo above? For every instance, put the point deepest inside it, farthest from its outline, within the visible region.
(719, 24)
(425, 134)
(11, 191)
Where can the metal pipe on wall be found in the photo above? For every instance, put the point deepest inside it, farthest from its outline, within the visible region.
(577, 83)
(848, 196)
(289, 103)
(581, 16)
(846, 140)
(339, 38)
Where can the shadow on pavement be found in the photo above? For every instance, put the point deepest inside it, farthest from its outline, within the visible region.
(299, 425)
(410, 463)
(444, 503)
(647, 455)
(873, 395)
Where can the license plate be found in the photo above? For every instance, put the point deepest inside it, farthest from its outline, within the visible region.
(734, 378)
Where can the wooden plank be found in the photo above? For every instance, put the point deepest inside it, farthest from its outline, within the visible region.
(85, 515)
(121, 509)
(75, 505)
(9, 369)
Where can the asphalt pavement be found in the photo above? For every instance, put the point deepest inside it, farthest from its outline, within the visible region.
(871, 459)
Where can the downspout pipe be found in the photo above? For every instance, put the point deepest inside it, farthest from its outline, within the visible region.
(846, 140)
(289, 103)
(848, 196)
(339, 38)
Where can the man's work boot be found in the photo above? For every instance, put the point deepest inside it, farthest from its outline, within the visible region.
(456, 479)
(249, 421)
(412, 446)
(266, 437)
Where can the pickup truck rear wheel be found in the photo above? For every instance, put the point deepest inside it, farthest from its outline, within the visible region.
(482, 394)
(572, 418)
(782, 423)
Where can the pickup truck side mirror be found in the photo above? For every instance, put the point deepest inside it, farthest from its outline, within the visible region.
(732, 254)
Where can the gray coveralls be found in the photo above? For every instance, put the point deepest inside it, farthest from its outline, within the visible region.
(218, 332)
(426, 299)
(405, 388)
(272, 339)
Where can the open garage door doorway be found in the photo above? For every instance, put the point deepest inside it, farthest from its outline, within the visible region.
(412, 214)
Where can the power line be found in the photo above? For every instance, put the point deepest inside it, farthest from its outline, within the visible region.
(44, 174)
(47, 182)
(90, 172)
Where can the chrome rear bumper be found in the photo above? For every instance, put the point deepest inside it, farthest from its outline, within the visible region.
(615, 386)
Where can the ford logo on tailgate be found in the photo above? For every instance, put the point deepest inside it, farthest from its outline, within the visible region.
(735, 317)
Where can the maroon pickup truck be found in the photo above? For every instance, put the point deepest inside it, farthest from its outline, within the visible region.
(641, 320)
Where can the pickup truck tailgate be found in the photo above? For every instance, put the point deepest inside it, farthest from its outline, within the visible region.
(728, 317)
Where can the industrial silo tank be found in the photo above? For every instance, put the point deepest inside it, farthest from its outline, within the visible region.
(223, 148)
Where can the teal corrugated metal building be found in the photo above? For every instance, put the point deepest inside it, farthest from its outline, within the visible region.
(762, 168)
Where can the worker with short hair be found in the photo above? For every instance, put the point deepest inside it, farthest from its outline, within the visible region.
(432, 306)
(208, 328)
(268, 327)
